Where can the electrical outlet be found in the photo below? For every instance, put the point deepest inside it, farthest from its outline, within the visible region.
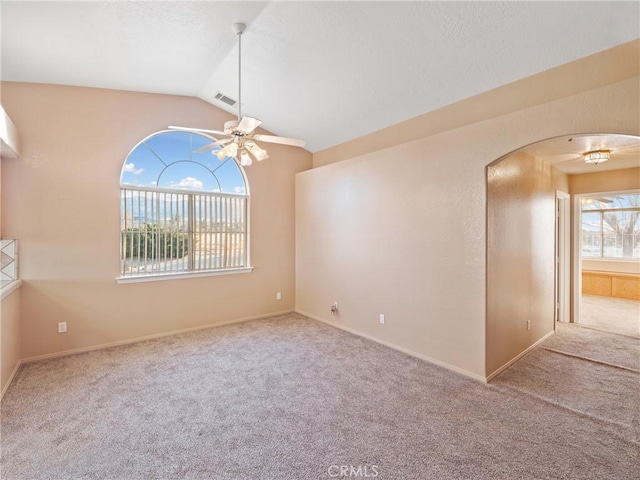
(528, 324)
(278, 295)
(62, 327)
(382, 318)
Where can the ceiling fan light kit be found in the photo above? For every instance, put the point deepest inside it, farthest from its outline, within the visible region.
(256, 151)
(596, 156)
(240, 144)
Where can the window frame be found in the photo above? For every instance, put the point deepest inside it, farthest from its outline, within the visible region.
(601, 212)
(152, 277)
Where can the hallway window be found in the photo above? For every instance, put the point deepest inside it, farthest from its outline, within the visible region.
(181, 211)
(611, 226)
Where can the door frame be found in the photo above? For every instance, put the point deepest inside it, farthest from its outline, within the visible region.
(562, 291)
(576, 257)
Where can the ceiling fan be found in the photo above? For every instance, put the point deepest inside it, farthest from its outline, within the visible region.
(590, 200)
(240, 142)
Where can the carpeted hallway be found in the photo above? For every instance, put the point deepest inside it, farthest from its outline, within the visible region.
(292, 398)
(609, 314)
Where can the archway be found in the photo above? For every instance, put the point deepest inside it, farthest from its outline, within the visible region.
(522, 188)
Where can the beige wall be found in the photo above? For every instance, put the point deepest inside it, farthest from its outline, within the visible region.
(61, 200)
(402, 231)
(521, 193)
(606, 181)
(370, 234)
(10, 353)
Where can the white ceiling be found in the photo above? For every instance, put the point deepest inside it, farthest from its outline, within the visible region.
(327, 72)
(565, 153)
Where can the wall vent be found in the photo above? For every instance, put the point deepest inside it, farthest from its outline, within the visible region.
(224, 99)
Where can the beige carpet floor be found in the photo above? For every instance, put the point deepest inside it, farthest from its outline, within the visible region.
(617, 315)
(291, 398)
(592, 373)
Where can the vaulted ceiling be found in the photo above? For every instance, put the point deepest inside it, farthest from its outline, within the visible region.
(327, 72)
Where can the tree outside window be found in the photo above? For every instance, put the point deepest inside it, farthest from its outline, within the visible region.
(611, 226)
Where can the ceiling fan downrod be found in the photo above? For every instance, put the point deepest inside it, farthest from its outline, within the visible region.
(239, 28)
(240, 140)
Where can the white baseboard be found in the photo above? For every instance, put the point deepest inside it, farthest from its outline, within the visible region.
(518, 357)
(13, 374)
(148, 337)
(461, 371)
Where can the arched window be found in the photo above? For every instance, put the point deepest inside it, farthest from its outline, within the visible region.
(181, 211)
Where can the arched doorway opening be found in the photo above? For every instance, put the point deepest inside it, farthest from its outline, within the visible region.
(528, 273)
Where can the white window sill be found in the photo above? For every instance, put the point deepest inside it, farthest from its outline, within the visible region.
(610, 259)
(176, 276)
(9, 288)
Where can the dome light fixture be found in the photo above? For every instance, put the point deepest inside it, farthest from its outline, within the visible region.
(596, 156)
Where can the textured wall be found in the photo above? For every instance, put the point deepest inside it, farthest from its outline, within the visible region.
(399, 234)
(62, 200)
(521, 193)
(609, 180)
(402, 231)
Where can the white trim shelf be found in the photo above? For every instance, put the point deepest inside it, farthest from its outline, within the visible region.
(181, 275)
(9, 288)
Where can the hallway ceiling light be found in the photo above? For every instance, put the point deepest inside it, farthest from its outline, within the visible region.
(596, 156)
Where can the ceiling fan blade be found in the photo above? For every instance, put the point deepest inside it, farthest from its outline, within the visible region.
(294, 142)
(189, 129)
(248, 124)
(212, 145)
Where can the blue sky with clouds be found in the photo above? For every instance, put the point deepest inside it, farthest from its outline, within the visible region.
(168, 160)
